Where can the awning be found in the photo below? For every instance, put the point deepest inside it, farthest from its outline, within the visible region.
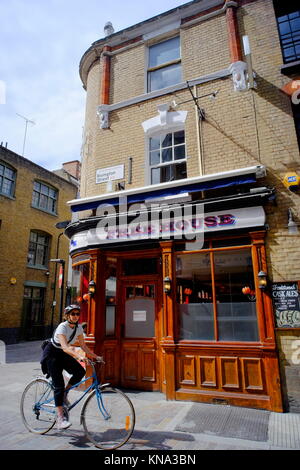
(173, 188)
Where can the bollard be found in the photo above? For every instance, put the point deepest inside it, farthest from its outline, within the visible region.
(2, 352)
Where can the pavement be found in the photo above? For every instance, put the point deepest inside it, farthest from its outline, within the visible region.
(161, 425)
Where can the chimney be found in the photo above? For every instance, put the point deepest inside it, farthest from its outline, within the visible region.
(108, 29)
(73, 168)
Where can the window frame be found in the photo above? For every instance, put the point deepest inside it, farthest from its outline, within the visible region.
(40, 193)
(46, 251)
(162, 66)
(169, 163)
(13, 181)
(288, 36)
(211, 250)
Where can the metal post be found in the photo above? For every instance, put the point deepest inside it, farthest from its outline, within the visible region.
(62, 290)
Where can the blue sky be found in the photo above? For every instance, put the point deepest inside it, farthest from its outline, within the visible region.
(41, 44)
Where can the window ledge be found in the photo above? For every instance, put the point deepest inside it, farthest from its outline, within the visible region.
(12, 198)
(291, 68)
(37, 266)
(45, 211)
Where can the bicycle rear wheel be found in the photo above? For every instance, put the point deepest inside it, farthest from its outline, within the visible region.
(108, 419)
(37, 406)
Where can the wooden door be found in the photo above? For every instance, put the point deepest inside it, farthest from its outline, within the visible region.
(139, 335)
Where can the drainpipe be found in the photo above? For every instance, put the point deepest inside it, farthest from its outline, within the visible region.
(105, 75)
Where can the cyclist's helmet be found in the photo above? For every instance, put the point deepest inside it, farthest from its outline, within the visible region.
(70, 308)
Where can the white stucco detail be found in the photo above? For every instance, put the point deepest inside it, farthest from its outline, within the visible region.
(165, 120)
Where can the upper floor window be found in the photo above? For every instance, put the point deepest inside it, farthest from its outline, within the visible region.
(44, 197)
(164, 66)
(167, 157)
(7, 180)
(38, 251)
(288, 20)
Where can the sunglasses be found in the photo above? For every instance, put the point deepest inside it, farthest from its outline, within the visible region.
(73, 314)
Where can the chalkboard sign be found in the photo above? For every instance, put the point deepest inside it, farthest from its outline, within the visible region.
(286, 304)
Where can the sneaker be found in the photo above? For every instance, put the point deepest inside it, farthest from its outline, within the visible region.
(63, 423)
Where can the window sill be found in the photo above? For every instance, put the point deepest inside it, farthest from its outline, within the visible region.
(291, 68)
(39, 267)
(12, 198)
(45, 211)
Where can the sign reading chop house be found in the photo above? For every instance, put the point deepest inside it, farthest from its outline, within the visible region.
(186, 226)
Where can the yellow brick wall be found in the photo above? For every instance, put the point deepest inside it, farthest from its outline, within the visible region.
(18, 218)
(241, 128)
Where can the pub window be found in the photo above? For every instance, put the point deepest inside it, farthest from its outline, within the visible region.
(7, 180)
(164, 64)
(44, 197)
(79, 288)
(288, 22)
(167, 157)
(215, 296)
(38, 251)
(110, 296)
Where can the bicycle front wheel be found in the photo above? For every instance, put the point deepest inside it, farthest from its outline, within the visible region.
(37, 406)
(108, 418)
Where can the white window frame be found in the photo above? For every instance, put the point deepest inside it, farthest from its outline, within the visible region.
(161, 66)
(170, 162)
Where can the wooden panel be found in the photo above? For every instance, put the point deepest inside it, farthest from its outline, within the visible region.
(130, 371)
(110, 366)
(187, 370)
(208, 372)
(229, 372)
(253, 374)
(148, 365)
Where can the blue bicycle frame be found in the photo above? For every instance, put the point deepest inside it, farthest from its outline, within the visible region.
(94, 386)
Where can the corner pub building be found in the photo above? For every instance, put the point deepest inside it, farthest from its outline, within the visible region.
(181, 227)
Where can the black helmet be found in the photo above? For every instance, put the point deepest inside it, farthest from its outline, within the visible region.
(70, 308)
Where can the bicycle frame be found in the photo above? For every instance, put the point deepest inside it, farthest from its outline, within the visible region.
(94, 386)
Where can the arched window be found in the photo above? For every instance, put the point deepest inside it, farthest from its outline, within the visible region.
(38, 251)
(44, 197)
(7, 179)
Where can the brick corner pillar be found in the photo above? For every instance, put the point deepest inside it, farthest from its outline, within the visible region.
(233, 31)
(103, 109)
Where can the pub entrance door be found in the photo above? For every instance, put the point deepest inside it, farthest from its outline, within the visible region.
(140, 332)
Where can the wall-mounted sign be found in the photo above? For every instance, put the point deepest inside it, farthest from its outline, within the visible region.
(139, 315)
(286, 304)
(169, 225)
(110, 174)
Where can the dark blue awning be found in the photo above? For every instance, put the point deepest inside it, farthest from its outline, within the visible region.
(174, 191)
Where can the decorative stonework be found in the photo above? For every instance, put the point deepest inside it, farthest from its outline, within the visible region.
(238, 70)
(165, 120)
(103, 113)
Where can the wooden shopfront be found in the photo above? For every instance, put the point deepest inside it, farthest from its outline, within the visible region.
(210, 338)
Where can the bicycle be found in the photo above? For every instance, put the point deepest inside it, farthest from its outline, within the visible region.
(107, 414)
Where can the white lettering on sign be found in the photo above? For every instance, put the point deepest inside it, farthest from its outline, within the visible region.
(110, 174)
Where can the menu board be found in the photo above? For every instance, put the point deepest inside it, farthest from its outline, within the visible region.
(285, 296)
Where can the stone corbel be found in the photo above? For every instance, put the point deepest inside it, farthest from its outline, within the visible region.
(239, 75)
(103, 113)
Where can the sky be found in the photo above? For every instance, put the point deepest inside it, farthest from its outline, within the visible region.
(41, 44)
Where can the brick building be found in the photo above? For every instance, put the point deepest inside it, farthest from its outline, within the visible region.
(180, 115)
(32, 201)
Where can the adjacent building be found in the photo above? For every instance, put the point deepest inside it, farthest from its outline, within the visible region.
(32, 201)
(186, 253)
